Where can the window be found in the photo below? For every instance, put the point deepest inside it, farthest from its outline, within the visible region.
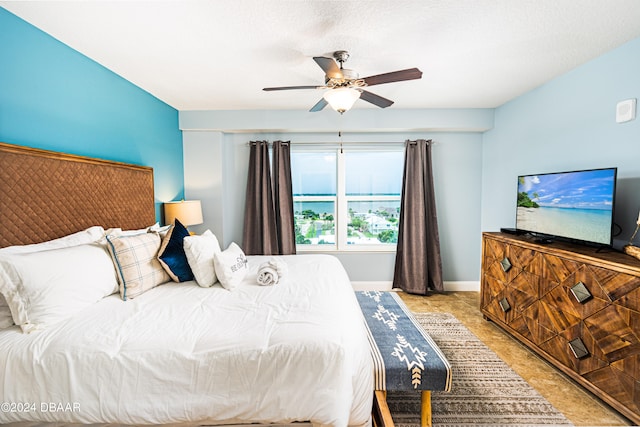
(346, 199)
(314, 180)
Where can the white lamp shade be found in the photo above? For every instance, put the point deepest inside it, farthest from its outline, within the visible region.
(341, 99)
(188, 212)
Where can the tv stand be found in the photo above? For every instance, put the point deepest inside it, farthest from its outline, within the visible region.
(577, 308)
(543, 240)
(509, 230)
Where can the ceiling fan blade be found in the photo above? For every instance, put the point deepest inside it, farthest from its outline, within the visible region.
(319, 106)
(291, 87)
(329, 67)
(394, 76)
(375, 99)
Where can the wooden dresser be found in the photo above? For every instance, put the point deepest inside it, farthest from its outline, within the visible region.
(577, 308)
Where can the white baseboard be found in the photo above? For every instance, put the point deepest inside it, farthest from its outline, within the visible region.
(461, 286)
(457, 286)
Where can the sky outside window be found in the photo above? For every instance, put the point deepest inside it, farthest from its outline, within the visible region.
(374, 173)
(313, 173)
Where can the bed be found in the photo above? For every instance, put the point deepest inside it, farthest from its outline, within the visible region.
(178, 353)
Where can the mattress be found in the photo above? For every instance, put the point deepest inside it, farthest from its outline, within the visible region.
(182, 354)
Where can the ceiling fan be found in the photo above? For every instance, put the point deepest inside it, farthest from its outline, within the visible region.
(344, 86)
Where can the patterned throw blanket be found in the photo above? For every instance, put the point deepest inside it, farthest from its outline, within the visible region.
(405, 357)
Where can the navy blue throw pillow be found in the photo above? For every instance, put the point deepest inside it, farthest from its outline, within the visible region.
(172, 256)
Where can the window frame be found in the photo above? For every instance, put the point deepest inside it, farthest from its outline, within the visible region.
(341, 200)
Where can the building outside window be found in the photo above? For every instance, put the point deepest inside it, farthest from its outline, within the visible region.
(346, 200)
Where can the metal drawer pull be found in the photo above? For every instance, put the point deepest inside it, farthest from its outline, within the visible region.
(506, 265)
(578, 349)
(504, 305)
(581, 293)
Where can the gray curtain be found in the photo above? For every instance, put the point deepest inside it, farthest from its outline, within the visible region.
(259, 236)
(268, 219)
(418, 267)
(283, 198)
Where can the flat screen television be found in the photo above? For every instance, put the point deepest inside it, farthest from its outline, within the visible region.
(576, 205)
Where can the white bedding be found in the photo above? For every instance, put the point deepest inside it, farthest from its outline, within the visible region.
(180, 353)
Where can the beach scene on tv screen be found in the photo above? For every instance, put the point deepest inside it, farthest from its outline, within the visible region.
(576, 205)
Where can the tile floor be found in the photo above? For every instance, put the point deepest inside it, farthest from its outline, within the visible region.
(578, 405)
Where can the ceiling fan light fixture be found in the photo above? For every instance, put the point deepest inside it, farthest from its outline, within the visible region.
(341, 99)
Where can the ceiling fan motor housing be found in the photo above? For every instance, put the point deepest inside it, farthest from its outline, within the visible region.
(346, 76)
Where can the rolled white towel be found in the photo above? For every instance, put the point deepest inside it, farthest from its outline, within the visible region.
(272, 271)
(280, 266)
(267, 275)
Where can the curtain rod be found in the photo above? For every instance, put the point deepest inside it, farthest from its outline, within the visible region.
(344, 143)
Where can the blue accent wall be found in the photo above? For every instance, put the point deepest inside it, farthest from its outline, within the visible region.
(567, 124)
(54, 98)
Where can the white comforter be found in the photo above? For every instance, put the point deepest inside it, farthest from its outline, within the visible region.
(295, 351)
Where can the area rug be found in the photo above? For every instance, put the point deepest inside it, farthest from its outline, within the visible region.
(485, 392)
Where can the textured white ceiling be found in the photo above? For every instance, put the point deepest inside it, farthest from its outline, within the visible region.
(219, 54)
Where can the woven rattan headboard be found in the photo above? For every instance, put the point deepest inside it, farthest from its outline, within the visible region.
(45, 195)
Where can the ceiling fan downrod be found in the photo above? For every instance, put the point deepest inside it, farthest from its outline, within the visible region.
(341, 56)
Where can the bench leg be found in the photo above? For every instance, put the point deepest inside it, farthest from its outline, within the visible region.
(381, 413)
(425, 416)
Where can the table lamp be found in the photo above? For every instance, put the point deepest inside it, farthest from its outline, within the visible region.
(188, 212)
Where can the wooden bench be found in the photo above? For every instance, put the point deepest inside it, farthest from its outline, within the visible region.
(405, 357)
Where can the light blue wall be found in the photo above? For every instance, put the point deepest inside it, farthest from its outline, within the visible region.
(567, 124)
(54, 98)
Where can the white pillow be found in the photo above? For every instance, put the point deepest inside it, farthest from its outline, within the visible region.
(155, 228)
(231, 266)
(43, 288)
(200, 251)
(5, 313)
(90, 235)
